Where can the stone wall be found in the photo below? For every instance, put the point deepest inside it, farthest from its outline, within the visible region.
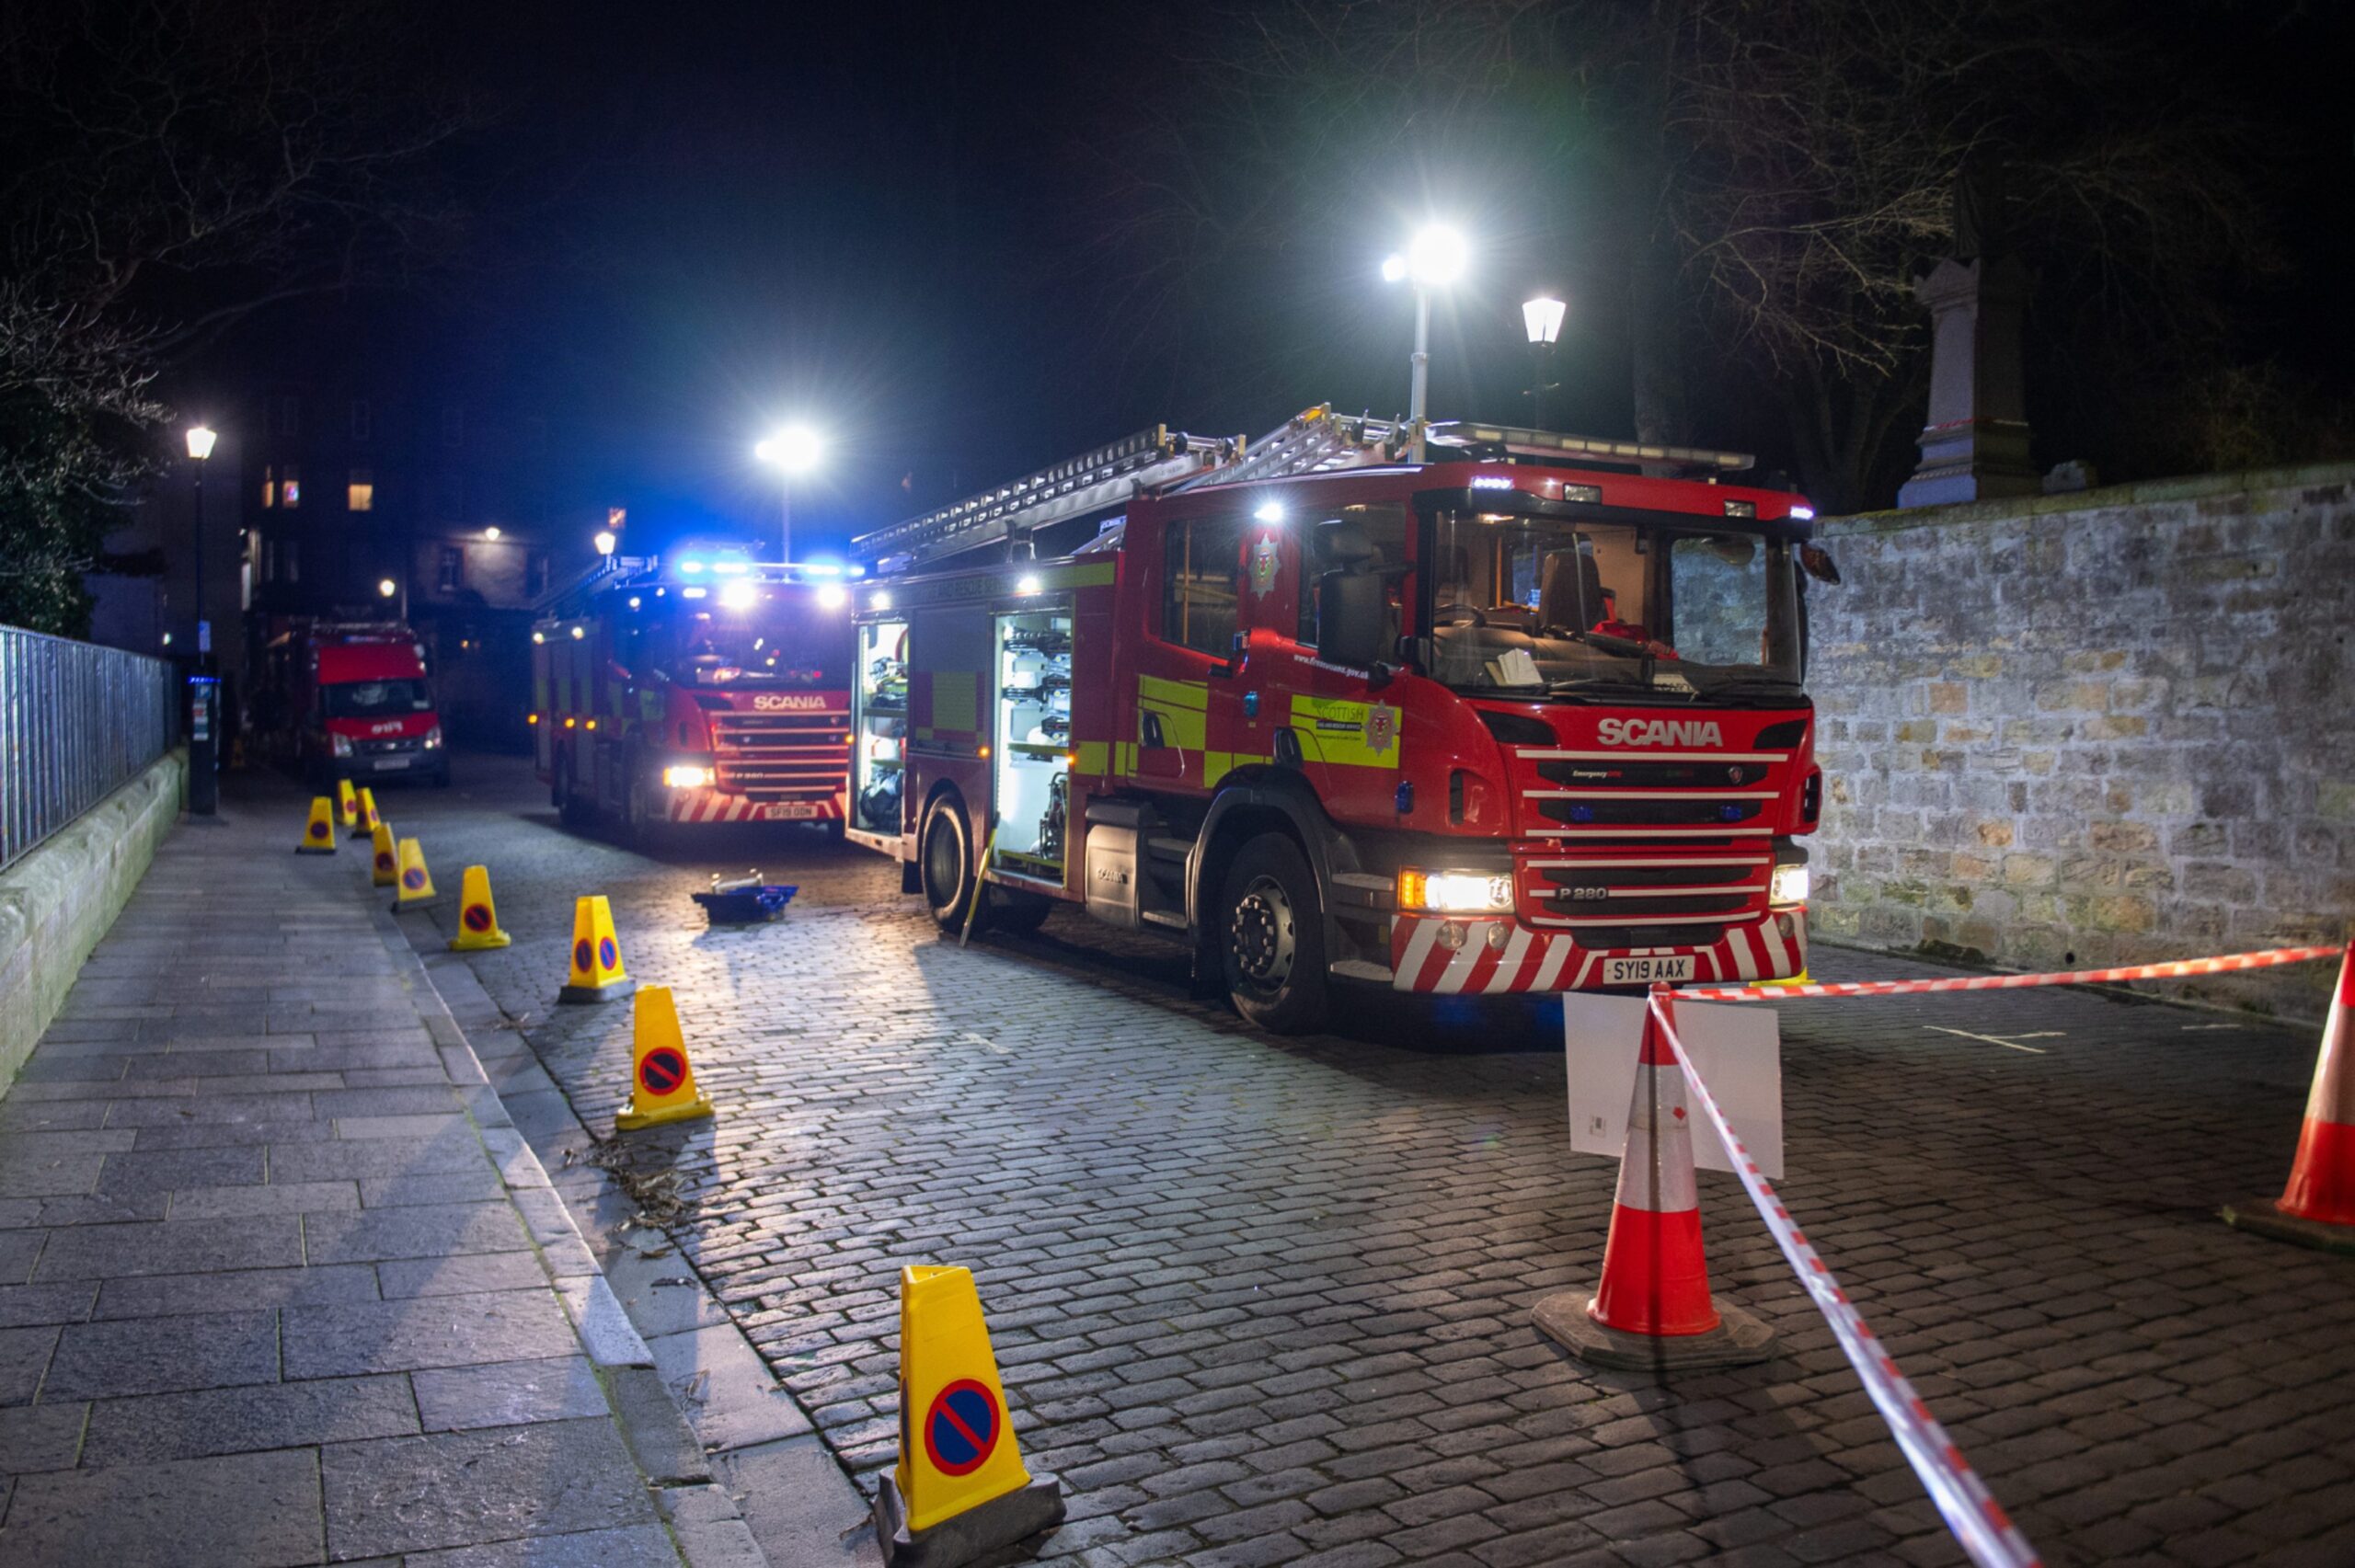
(2104, 727)
(57, 902)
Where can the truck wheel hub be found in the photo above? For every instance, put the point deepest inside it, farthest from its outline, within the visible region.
(1260, 932)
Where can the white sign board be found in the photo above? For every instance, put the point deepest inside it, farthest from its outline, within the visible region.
(1736, 1047)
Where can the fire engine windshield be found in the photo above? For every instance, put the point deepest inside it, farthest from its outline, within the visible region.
(1574, 607)
(374, 699)
(801, 651)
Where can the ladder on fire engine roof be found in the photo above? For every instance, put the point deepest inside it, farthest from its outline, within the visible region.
(1319, 441)
(1314, 441)
(1105, 477)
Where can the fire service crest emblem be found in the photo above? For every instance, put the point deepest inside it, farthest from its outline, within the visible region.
(1381, 729)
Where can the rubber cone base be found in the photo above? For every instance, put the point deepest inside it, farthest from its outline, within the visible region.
(478, 941)
(612, 990)
(1739, 1339)
(2263, 1217)
(693, 1110)
(962, 1538)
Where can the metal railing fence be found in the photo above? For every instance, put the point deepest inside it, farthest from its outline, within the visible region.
(77, 722)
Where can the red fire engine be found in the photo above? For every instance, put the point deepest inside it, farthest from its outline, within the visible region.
(704, 688)
(1507, 720)
(350, 699)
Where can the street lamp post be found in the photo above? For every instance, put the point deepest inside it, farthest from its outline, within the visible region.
(1434, 258)
(794, 450)
(1543, 317)
(203, 745)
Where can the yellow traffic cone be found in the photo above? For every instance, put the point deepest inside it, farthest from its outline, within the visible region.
(959, 1489)
(597, 973)
(365, 825)
(318, 837)
(347, 803)
(385, 872)
(477, 916)
(661, 1084)
(417, 883)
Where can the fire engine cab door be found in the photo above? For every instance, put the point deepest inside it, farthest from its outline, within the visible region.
(1187, 704)
(1256, 707)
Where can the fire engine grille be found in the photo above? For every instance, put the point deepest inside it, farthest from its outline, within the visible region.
(1634, 849)
(379, 748)
(769, 757)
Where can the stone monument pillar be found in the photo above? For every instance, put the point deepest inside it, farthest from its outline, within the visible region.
(1975, 444)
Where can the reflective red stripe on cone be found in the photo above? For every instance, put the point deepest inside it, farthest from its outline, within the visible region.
(1655, 1275)
(2322, 1177)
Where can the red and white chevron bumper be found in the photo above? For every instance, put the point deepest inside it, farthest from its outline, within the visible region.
(1453, 956)
(716, 806)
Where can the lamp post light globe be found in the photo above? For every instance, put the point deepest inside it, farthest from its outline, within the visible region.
(199, 441)
(604, 540)
(794, 449)
(386, 588)
(1542, 317)
(1435, 257)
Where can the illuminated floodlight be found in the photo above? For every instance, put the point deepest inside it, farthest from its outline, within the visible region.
(739, 595)
(834, 596)
(797, 449)
(579, 633)
(491, 534)
(604, 540)
(1436, 257)
(1026, 584)
(1394, 269)
(879, 601)
(1269, 511)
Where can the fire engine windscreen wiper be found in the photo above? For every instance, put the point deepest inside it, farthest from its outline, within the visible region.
(1602, 640)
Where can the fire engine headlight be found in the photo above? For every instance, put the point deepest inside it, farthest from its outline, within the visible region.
(1454, 892)
(433, 739)
(1789, 886)
(340, 745)
(738, 596)
(687, 776)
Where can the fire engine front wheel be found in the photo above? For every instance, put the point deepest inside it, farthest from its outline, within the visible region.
(946, 865)
(1271, 937)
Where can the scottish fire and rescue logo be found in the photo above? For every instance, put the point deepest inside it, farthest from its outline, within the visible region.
(1381, 729)
(1263, 564)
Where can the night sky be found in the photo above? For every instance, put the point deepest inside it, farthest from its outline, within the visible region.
(700, 220)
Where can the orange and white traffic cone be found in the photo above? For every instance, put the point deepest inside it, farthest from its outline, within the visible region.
(1652, 1310)
(2316, 1209)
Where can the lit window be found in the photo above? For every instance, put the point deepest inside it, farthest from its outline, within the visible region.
(360, 495)
(290, 488)
(269, 485)
(453, 574)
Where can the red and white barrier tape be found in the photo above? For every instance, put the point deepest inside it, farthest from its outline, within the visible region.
(2181, 969)
(1971, 1512)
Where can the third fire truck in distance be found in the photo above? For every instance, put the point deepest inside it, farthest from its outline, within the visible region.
(1513, 719)
(706, 687)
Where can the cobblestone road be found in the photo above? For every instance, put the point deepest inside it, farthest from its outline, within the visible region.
(1263, 1301)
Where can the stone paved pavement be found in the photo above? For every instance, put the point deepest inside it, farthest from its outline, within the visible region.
(1265, 1300)
(265, 1298)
